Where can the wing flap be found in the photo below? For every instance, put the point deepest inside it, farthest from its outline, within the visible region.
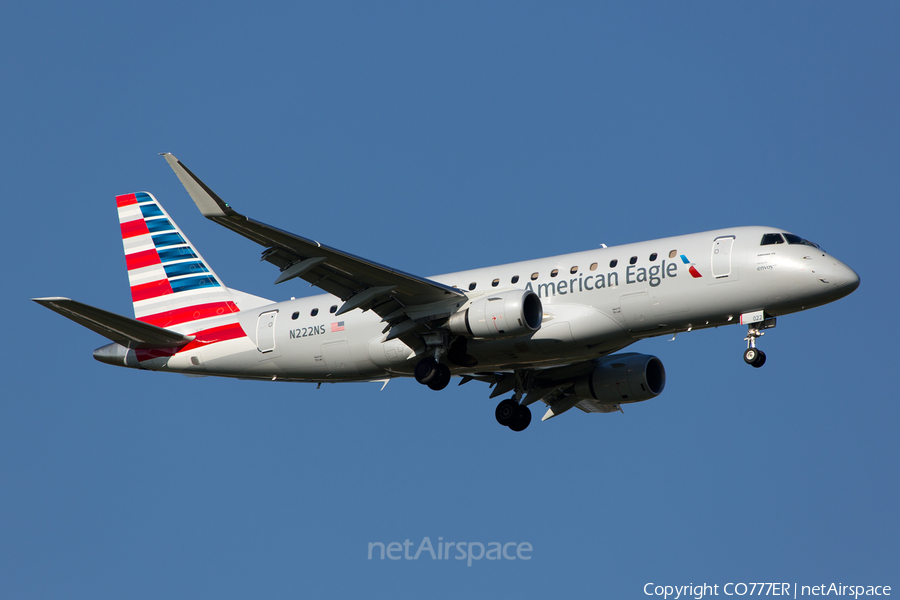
(124, 331)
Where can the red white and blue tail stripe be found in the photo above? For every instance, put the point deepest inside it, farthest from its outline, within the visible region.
(170, 282)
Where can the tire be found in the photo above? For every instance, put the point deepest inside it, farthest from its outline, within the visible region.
(506, 411)
(760, 360)
(751, 356)
(442, 380)
(426, 371)
(522, 419)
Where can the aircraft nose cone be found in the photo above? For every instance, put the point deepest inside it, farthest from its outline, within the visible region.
(845, 278)
(851, 281)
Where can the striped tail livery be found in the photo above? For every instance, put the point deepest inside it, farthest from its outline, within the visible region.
(180, 304)
(170, 282)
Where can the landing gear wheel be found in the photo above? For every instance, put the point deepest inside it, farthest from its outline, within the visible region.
(506, 411)
(442, 379)
(755, 357)
(426, 371)
(761, 360)
(751, 356)
(522, 419)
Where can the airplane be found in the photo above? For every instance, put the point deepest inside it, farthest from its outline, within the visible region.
(548, 330)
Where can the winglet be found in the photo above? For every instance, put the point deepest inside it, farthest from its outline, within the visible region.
(206, 200)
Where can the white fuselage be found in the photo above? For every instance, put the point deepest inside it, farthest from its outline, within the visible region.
(594, 303)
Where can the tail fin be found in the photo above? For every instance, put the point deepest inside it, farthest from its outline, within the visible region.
(170, 282)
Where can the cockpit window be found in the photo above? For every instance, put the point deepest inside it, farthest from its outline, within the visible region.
(796, 239)
(771, 238)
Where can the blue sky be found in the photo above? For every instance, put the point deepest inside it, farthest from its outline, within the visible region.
(436, 139)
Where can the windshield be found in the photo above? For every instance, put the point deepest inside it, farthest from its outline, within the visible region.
(796, 239)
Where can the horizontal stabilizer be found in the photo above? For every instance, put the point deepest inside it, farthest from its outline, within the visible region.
(125, 331)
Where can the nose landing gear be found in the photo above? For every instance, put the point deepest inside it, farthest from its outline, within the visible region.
(756, 322)
(753, 356)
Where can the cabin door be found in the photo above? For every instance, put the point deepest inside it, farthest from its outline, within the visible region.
(265, 331)
(721, 256)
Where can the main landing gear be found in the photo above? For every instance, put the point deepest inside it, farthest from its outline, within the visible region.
(436, 375)
(432, 373)
(513, 415)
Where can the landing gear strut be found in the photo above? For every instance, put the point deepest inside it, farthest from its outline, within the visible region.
(513, 415)
(753, 356)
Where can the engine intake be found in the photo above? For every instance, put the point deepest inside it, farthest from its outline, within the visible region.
(623, 378)
(505, 314)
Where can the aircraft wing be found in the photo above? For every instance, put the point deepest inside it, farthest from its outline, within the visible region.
(360, 283)
(127, 332)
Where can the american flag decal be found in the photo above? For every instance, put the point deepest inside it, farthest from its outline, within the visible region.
(339, 326)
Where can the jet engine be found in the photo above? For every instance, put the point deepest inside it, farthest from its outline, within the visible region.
(501, 315)
(623, 378)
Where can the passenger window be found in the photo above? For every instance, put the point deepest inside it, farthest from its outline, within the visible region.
(633, 260)
(534, 276)
(472, 286)
(495, 283)
(554, 272)
(673, 253)
(515, 279)
(294, 316)
(771, 238)
(314, 312)
(613, 263)
(333, 309)
(593, 266)
(573, 270)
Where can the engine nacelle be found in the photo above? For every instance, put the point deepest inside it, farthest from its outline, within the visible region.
(623, 378)
(501, 315)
